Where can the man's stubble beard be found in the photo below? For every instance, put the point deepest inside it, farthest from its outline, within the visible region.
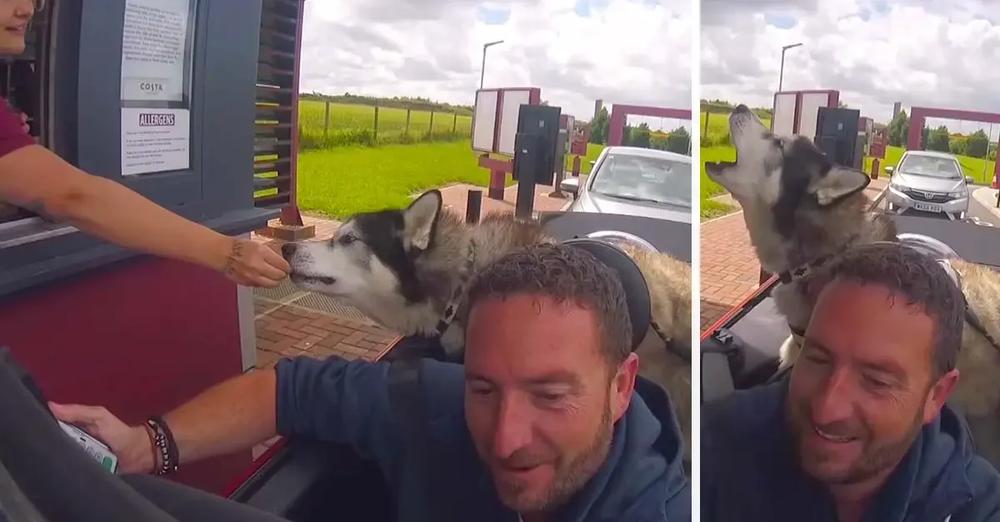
(571, 478)
(873, 459)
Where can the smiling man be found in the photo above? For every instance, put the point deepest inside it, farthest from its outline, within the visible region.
(545, 422)
(860, 430)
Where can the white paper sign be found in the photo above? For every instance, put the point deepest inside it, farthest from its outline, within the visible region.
(154, 49)
(155, 140)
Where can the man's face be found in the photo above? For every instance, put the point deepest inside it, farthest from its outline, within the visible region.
(14, 18)
(864, 383)
(540, 399)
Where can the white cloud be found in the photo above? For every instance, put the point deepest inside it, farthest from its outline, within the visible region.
(625, 51)
(875, 52)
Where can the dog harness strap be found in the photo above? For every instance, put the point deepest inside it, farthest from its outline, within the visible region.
(672, 345)
(451, 309)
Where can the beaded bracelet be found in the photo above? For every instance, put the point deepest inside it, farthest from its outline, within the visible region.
(164, 445)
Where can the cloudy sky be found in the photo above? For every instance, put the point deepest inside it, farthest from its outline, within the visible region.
(576, 51)
(876, 52)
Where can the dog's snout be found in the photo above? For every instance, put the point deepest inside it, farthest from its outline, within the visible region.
(288, 250)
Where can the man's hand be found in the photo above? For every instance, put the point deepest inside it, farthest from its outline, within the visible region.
(255, 264)
(130, 443)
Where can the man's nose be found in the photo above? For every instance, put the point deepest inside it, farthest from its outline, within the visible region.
(832, 401)
(513, 429)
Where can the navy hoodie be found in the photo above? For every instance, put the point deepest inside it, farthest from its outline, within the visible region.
(348, 402)
(750, 471)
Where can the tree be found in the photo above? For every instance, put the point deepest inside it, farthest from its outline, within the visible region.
(599, 127)
(638, 136)
(679, 140)
(978, 144)
(939, 140)
(899, 129)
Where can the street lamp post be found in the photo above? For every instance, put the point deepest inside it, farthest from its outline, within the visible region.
(482, 73)
(781, 78)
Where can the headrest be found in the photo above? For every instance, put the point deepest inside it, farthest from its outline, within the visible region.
(636, 291)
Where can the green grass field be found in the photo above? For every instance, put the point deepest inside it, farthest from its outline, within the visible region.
(355, 125)
(345, 180)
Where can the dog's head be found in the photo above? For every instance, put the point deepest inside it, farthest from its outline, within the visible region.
(369, 262)
(782, 174)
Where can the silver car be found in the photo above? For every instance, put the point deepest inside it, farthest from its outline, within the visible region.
(636, 182)
(928, 182)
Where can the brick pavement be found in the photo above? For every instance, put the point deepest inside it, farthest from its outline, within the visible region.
(729, 267)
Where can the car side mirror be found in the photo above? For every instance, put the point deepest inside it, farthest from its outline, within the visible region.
(571, 185)
(969, 180)
(889, 169)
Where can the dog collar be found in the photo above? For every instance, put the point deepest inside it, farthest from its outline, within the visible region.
(456, 297)
(802, 271)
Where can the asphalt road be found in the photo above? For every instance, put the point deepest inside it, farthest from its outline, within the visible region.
(978, 210)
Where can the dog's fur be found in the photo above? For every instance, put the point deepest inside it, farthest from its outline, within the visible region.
(401, 266)
(798, 207)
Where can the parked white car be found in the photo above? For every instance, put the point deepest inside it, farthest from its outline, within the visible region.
(928, 182)
(636, 182)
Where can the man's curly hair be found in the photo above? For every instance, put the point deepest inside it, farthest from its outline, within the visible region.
(921, 280)
(564, 272)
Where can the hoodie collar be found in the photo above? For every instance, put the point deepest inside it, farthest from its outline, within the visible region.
(932, 479)
(645, 453)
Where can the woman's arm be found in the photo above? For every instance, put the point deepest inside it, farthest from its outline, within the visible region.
(34, 178)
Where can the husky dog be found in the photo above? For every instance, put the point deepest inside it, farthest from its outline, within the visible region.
(800, 209)
(409, 269)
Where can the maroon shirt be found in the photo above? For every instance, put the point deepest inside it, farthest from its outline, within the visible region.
(12, 130)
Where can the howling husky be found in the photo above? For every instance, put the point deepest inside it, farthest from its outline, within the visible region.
(800, 209)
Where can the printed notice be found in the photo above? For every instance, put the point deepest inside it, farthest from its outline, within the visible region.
(155, 140)
(155, 50)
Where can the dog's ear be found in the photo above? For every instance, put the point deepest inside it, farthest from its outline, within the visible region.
(837, 184)
(420, 217)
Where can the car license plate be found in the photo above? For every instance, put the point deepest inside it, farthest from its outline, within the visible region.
(927, 207)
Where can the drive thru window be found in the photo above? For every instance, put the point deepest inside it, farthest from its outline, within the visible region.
(173, 99)
(173, 121)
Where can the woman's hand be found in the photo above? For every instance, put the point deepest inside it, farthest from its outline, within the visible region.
(255, 264)
(131, 444)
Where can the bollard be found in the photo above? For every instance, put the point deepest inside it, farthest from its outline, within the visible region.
(576, 166)
(473, 206)
(875, 165)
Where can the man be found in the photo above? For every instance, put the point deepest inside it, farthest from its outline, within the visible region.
(860, 430)
(540, 423)
(34, 178)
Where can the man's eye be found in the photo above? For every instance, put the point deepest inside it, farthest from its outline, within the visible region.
(550, 399)
(876, 383)
(480, 390)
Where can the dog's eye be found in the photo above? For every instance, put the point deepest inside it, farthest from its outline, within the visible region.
(348, 238)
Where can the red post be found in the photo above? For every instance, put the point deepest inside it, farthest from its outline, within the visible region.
(290, 214)
(875, 165)
(576, 166)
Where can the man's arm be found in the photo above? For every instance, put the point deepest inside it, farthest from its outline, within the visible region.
(34, 178)
(333, 400)
(226, 418)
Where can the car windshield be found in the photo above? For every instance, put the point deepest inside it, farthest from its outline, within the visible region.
(643, 178)
(931, 166)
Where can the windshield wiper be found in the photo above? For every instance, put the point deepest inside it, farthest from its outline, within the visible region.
(631, 198)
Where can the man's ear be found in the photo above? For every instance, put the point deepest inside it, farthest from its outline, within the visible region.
(837, 184)
(420, 217)
(939, 394)
(623, 385)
